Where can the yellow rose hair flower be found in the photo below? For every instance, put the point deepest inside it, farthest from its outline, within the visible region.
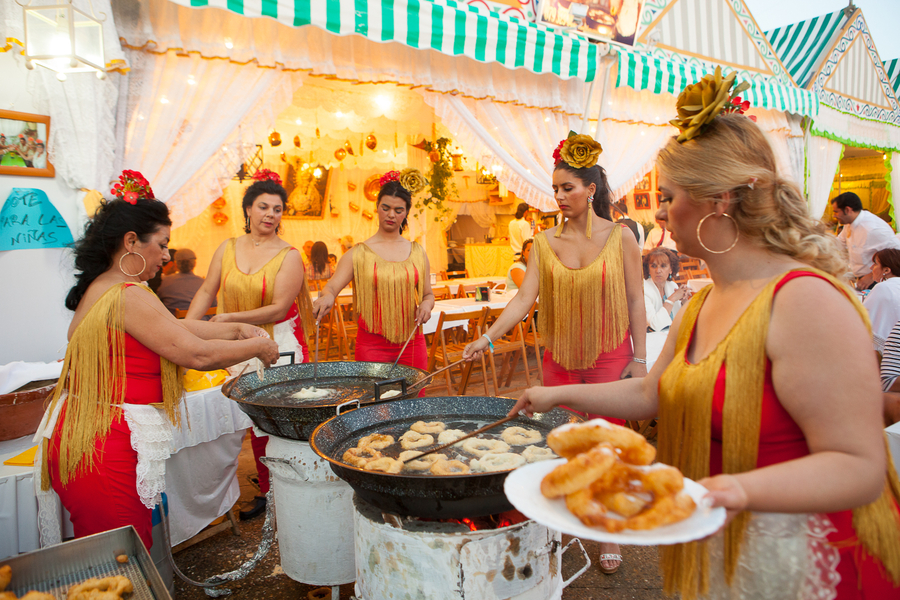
(412, 180)
(579, 151)
(703, 101)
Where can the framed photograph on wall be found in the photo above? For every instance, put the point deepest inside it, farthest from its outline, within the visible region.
(309, 198)
(23, 144)
(644, 184)
(658, 199)
(641, 201)
(606, 20)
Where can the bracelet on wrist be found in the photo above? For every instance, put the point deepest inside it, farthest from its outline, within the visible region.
(642, 361)
(490, 343)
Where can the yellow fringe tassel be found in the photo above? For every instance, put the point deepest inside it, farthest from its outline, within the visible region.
(559, 229)
(241, 292)
(685, 405)
(93, 375)
(584, 312)
(386, 293)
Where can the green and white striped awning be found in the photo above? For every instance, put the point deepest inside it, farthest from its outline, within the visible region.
(641, 71)
(446, 26)
(892, 70)
(800, 45)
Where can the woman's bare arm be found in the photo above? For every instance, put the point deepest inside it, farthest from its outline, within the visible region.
(637, 312)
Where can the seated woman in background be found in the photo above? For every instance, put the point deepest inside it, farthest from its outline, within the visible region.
(516, 274)
(319, 267)
(662, 296)
(883, 302)
(890, 376)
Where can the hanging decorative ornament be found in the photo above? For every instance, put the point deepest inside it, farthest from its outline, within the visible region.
(371, 142)
(372, 187)
(274, 139)
(219, 218)
(348, 147)
(457, 157)
(219, 203)
(340, 154)
(434, 156)
(318, 135)
(351, 186)
(283, 157)
(367, 215)
(297, 141)
(420, 145)
(354, 207)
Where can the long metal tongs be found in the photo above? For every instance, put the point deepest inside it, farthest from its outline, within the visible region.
(316, 358)
(399, 356)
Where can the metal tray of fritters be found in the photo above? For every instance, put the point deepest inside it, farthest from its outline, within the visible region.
(55, 569)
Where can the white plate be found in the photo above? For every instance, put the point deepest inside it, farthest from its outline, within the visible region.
(523, 489)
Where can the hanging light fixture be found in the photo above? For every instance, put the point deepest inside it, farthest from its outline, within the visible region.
(63, 39)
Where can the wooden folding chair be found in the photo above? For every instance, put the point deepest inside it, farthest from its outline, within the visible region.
(442, 292)
(514, 341)
(465, 291)
(342, 329)
(447, 349)
(533, 340)
(180, 314)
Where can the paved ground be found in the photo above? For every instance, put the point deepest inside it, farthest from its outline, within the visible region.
(638, 578)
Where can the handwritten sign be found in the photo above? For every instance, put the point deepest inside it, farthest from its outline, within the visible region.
(29, 220)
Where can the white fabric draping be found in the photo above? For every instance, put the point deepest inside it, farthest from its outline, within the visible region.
(822, 159)
(861, 132)
(190, 123)
(163, 25)
(518, 140)
(785, 135)
(82, 109)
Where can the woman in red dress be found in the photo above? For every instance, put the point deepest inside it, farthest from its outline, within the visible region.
(391, 283)
(124, 346)
(760, 396)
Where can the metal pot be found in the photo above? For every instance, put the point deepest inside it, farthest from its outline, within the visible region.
(271, 408)
(445, 497)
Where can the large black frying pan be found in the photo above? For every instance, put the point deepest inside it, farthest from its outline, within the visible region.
(442, 497)
(271, 408)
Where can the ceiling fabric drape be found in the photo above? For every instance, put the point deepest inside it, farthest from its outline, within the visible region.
(822, 159)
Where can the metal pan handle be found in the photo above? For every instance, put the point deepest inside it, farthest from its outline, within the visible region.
(337, 409)
(292, 354)
(388, 383)
(587, 561)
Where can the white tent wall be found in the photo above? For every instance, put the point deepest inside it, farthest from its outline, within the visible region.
(81, 148)
(822, 159)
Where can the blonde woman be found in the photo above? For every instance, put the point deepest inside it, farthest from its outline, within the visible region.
(759, 395)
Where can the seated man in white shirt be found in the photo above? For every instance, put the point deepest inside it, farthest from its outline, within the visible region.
(659, 236)
(863, 234)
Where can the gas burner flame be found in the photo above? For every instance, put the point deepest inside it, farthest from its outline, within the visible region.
(497, 521)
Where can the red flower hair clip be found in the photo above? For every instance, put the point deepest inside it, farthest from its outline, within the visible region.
(739, 107)
(132, 185)
(557, 158)
(388, 177)
(267, 175)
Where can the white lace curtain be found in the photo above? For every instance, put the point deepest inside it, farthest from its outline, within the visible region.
(822, 159)
(188, 123)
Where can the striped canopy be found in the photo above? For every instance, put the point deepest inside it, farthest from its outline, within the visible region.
(446, 26)
(800, 45)
(642, 71)
(892, 70)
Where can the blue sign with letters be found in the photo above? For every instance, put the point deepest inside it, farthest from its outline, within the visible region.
(29, 220)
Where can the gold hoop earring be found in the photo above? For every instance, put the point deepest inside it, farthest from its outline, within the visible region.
(590, 210)
(132, 274)
(737, 234)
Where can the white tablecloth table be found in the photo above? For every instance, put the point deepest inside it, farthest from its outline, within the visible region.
(201, 475)
(461, 305)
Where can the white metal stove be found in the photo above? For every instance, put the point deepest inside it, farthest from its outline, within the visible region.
(504, 557)
(314, 512)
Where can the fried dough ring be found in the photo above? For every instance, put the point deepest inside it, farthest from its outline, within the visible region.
(578, 472)
(378, 441)
(449, 467)
(519, 436)
(490, 463)
(33, 595)
(358, 457)
(450, 435)
(626, 504)
(537, 453)
(662, 511)
(480, 446)
(574, 438)
(431, 427)
(413, 439)
(423, 464)
(385, 464)
(585, 506)
(117, 584)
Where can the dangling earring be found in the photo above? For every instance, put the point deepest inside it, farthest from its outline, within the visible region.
(737, 234)
(589, 219)
(132, 274)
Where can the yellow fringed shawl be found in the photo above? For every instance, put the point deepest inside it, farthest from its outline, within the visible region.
(386, 293)
(242, 292)
(584, 312)
(93, 375)
(685, 414)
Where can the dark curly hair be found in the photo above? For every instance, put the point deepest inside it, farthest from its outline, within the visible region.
(597, 176)
(103, 238)
(674, 260)
(393, 188)
(258, 189)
